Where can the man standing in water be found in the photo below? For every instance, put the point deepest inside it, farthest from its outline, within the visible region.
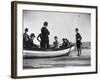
(45, 34)
(78, 41)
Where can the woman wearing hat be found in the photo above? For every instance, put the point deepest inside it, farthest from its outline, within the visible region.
(31, 44)
(65, 42)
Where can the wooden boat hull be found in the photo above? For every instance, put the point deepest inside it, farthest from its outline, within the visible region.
(32, 53)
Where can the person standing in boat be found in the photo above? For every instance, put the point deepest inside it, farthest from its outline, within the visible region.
(78, 41)
(56, 42)
(25, 38)
(31, 44)
(41, 39)
(45, 34)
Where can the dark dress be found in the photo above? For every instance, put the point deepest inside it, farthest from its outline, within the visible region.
(64, 45)
(45, 37)
(31, 45)
(42, 43)
(78, 40)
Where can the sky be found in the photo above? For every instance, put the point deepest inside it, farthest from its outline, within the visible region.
(60, 24)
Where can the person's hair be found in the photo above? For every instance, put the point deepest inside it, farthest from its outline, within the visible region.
(55, 37)
(45, 23)
(76, 29)
(63, 39)
(32, 35)
(26, 29)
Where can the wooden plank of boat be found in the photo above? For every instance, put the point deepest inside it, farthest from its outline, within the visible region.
(48, 53)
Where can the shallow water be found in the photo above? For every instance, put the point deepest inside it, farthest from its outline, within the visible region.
(65, 61)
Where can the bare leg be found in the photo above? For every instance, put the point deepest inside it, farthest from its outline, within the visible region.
(78, 52)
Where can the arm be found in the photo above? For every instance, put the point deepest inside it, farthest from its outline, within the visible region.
(47, 32)
(38, 38)
(80, 37)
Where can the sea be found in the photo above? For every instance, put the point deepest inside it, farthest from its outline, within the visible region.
(72, 60)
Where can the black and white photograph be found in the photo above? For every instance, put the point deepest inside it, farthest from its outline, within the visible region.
(54, 39)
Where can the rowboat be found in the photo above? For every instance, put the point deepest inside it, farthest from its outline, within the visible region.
(47, 53)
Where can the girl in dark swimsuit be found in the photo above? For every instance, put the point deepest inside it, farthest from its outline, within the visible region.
(78, 41)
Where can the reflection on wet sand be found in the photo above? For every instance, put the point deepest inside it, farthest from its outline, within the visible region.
(65, 61)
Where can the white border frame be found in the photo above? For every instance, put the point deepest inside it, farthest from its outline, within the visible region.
(50, 71)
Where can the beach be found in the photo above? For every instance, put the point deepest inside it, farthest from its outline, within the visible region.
(64, 61)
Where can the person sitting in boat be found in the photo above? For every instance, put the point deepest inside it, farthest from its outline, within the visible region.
(31, 44)
(56, 42)
(25, 39)
(65, 43)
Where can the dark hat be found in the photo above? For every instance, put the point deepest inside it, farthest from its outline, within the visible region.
(32, 35)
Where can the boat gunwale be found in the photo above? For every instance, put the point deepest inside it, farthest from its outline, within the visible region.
(49, 49)
(52, 56)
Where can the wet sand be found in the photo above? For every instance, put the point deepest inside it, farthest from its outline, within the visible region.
(65, 61)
